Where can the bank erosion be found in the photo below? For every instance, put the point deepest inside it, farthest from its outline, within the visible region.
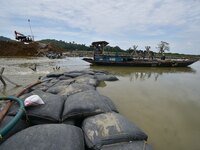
(35, 49)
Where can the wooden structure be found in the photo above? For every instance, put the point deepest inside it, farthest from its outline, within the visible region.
(99, 46)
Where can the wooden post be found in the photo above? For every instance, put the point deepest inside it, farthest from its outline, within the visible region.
(1, 78)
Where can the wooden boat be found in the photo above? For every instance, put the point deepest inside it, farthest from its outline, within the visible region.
(118, 60)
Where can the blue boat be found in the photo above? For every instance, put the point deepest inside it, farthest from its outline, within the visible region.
(100, 58)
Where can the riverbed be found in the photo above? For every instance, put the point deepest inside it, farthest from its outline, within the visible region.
(164, 102)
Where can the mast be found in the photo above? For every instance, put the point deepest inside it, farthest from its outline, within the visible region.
(31, 29)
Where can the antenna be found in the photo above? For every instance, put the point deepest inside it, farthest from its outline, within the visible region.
(31, 29)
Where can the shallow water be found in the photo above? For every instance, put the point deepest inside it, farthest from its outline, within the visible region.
(164, 102)
(18, 70)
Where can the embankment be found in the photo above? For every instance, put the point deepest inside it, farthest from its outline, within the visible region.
(13, 48)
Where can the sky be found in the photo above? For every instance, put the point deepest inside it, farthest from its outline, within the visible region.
(120, 22)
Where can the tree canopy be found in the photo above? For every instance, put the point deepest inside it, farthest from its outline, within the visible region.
(163, 47)
(69, 46)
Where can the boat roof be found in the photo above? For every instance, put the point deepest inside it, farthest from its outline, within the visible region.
(100, 42)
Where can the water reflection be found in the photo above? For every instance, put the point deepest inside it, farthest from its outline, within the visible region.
(143, 73)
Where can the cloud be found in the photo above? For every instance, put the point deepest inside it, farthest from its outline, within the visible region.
(113, 20)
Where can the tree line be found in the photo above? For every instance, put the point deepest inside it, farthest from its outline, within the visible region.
(72, 46)
(68, 46)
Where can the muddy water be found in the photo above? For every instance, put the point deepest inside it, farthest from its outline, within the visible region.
(18, 70)
(164, 102)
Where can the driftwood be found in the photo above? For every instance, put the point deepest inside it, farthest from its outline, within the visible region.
(1, 78)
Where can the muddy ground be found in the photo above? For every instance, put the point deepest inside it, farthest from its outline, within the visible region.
(13, 48)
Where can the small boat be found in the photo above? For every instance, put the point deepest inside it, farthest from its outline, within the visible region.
(119, 60)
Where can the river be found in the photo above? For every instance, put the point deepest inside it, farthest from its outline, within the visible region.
(164, 102)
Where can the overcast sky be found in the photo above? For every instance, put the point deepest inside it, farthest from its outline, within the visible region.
(120, 22)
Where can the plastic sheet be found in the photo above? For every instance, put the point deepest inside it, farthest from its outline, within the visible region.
(33, 100)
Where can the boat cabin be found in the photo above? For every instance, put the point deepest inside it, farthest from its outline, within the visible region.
(99, 46)
(99, 55)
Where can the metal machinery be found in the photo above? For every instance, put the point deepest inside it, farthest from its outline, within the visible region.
(23, 38)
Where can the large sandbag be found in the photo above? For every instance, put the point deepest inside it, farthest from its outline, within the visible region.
(66, 91)
(89, 72)
(109, 102)
(60, 85)
(73, 74)
(84, 104)
(54, 75)
(65, 82)
(69, 122)
(105, 77)
(50, 112)
(63, 77)
(56, 89)
(47, 84)
(87, 79)
(46, 137)
(21, 124)
(135, 145)
(110, 128)
(77, 73)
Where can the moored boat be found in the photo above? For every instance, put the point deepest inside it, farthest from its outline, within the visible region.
(119, 60)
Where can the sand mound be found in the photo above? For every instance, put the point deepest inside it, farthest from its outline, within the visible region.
(13, 48)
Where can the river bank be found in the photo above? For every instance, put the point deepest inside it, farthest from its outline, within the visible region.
(162, 101)
(71, 99)
(40, 49)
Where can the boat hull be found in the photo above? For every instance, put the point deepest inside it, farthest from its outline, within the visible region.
(145, 63)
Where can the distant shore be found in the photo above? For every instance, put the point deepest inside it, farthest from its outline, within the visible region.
(37, 49)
